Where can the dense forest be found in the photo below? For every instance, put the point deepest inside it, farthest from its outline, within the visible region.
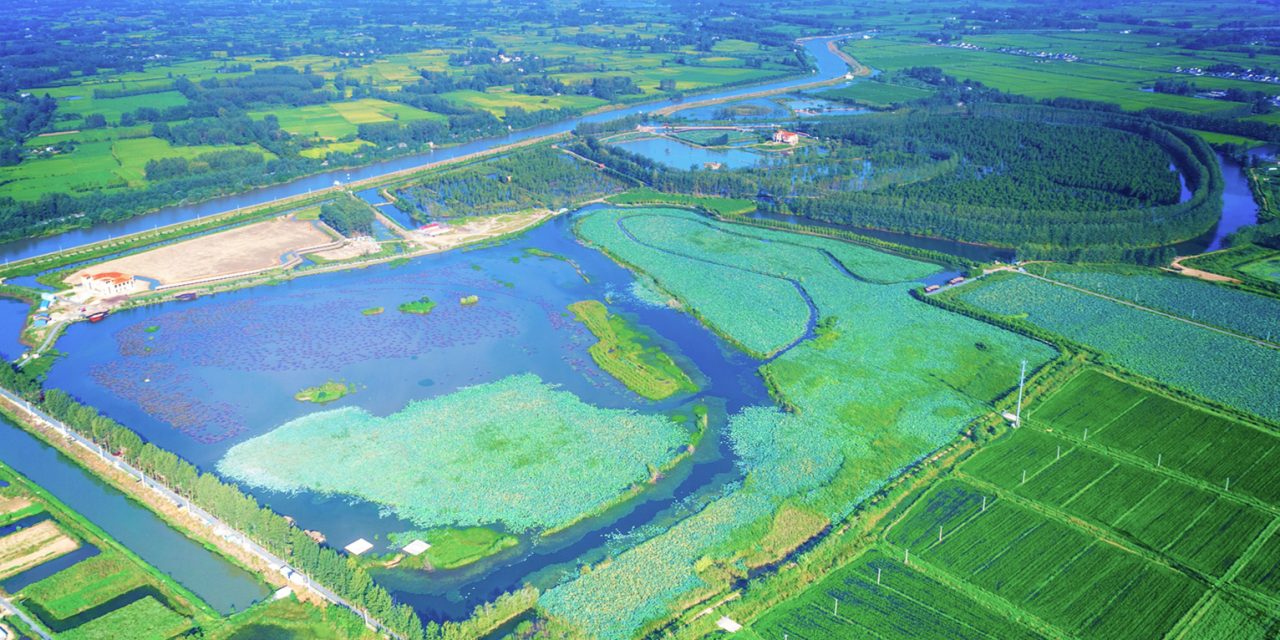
(528, 178)
(1051, 182)
(348, 215)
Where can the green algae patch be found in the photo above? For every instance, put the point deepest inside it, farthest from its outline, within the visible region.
(516, 452)
(325, 393)
(372, 311)
(623, 352)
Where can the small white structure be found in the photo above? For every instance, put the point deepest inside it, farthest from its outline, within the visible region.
(416, 548)
(727, 623)
(359, 547)
(282, 593)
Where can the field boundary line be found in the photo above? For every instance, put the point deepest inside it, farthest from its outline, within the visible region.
(1170, 473)
(986, 599)
(1252, 550)
(1099, 533)
(1258, 341)
(1090, 484)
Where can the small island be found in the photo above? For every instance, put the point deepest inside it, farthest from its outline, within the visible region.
(325, 393)
(373, 311)
(452, 548)
(422, 306)
(470, 300)
(623, 353)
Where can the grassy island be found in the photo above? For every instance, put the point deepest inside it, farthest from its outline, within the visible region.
(623, 354)
(469, 300)
(422, 306)
(373, 311)
(325, 393)
(453, 548)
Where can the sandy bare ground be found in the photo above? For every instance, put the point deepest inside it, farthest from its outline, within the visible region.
(254, 246)
(480, 229)
(1178, 267)
(10, 505)
(33, 546)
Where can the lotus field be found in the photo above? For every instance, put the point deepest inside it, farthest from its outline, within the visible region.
(517, 452)
(1214, 304)
(887, 380)
(1223, 368)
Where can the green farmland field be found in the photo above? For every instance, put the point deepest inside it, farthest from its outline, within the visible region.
(876, 596)
(1057, 572)
(338, 119)
(1199, 300)
(146, 619)
(1032, 77)
(1183, 355)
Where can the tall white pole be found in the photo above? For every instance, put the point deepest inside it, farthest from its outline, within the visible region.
(1022, 381)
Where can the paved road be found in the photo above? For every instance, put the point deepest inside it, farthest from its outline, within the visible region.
(6, 605)
(219, 527)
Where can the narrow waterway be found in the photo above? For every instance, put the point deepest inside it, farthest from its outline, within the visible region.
(224, 586)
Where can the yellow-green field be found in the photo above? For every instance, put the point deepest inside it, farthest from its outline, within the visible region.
(338, 119)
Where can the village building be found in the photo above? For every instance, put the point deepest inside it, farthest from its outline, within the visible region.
(109, 283)
(786, 137)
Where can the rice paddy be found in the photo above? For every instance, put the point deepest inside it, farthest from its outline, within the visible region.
(1102, 517)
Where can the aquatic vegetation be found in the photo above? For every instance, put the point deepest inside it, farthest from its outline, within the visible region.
(422, 306)
(517, 452)
(1205, 302)
(889, 380)
(1182, 355)
(469, 300)
(622, 352)
(372, 311)
(325, 393)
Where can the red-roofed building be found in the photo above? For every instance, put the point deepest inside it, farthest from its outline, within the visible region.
(108, 283)
(786, 137)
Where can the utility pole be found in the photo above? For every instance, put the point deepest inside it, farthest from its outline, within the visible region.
(1022, 381)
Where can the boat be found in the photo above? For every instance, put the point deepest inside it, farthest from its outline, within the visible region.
(186, 297)
(97, 317)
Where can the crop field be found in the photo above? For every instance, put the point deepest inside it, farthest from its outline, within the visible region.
(1034, 77)
(85, 584)
(1154, 428)
(1059, 573)
(623, 353)
(102, 164)
(1222, 306)
(1266, 268)
(112, 108)
(1053, 507)
(876, 596)
(497, 102)
(516, 451)
(335, 120)
(1182, 355)
(705, 136)
(146, 619)
(875, 94)
(861, 377)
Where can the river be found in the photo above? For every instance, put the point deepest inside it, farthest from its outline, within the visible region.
(828, 66)
(224, 586)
